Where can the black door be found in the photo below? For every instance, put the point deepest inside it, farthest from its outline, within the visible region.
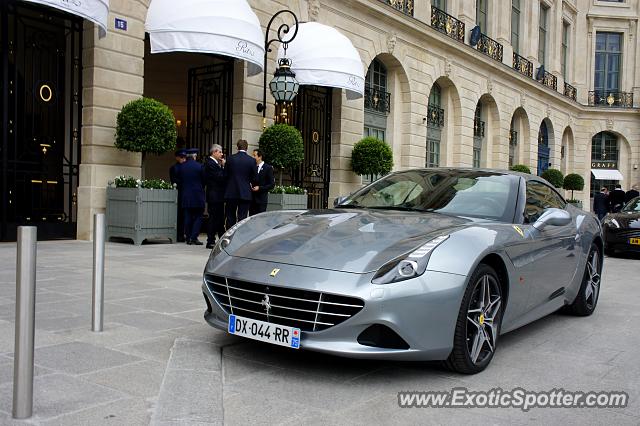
(40, 147)
(210, 107)
(312, 116)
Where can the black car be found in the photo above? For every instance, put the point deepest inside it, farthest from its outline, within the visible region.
(622, 230)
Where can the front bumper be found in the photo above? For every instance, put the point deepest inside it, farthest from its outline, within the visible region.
(422, 311)
(618, 239)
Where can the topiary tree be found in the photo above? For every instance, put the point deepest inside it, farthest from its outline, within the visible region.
(146, 125)
(282, 147)
(573, 182)
(554, 177)
(370, 157)
(520, 168)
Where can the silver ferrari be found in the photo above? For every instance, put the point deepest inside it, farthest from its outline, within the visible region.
(429, 264)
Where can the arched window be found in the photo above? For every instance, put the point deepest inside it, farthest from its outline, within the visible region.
(513, 143)
(435, 123)
(543, 148)
(605, 151)
(377, 101)
(478, 135)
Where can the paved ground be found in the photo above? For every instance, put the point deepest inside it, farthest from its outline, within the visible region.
(157, 362)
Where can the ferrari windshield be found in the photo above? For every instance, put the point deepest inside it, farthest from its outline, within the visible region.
(471, 193)
(632, 206)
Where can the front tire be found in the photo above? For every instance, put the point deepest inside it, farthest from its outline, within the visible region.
(478, 324)
(587, 298)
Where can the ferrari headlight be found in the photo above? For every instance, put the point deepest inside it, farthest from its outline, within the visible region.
(226, 238)
(609, 221)
(409, 265)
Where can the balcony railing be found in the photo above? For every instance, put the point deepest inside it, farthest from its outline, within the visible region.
(570, 91)
(549, 80)
(377, 100)
(611, 99)
(478, 128)
(404, 6)
(490, 47)
(447, 24)
(522, 65)
(435, 116)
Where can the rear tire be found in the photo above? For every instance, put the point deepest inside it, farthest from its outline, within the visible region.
(478, 325)
(587, 298)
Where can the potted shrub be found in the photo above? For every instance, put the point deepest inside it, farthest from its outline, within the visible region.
(573, 182)
(283, 148)
(147, 126)
(141, 209)
(554, 177)
(520, 168)
(371, 157)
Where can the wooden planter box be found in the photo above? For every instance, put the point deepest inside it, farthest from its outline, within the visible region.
(139, 213)
(287, 202)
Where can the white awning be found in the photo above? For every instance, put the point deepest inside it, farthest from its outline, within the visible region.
(607, 174)
(222, 27)
(96, 11)
(322, 56)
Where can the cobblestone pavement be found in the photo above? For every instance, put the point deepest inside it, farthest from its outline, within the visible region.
(158, 362)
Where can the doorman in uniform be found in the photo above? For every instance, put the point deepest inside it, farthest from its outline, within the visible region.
(191, 177)
(181, 157)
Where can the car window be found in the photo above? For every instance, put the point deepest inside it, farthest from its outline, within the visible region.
(539, 198)
(633, 206)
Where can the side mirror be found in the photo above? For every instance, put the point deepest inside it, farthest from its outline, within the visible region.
(552, 217)
(338, 201)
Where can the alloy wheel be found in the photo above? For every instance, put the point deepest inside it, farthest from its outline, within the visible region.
(592, 287)
(483, 319)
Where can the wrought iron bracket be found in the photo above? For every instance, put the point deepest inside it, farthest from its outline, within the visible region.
(283, 30)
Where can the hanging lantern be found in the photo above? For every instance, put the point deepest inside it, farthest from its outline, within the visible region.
(284, 86)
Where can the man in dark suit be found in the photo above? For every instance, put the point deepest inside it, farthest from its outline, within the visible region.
(631, 194)
(263, 184)
(616, 199)
(601, 203)
(181, 157)
(191, 177)
(216, 185)
(240, 171)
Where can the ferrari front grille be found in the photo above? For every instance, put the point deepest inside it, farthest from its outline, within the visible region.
(304, 309)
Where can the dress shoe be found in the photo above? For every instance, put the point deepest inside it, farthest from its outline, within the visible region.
(189, 242)
(209, 246)
(197, 242)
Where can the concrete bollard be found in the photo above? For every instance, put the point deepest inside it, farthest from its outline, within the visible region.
(97, 295)
(25, 322)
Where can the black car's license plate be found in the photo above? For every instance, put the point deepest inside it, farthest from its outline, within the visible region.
(634, 241)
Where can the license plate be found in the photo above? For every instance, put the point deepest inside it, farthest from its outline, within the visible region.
(634, 241)
(264, 331)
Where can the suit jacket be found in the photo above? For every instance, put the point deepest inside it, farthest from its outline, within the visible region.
(600, 203)
(191, 179)
(215, 181)
(630, 195)
(616, 199)
(266, 182)
(240, 171)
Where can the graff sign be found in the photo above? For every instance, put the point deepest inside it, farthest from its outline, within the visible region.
(604, 164)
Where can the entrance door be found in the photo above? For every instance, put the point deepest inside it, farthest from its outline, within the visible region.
(41, 107)
(210, 107)
(313, 119)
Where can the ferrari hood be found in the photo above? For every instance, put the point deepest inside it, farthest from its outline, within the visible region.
(346, 240)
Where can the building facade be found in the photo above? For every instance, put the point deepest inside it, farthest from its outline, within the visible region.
(476, 83)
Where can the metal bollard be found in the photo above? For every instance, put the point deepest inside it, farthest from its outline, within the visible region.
(25, 322)
(98, 272)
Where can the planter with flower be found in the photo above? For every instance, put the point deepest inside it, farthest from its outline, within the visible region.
(141, 209)
(283, 148)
